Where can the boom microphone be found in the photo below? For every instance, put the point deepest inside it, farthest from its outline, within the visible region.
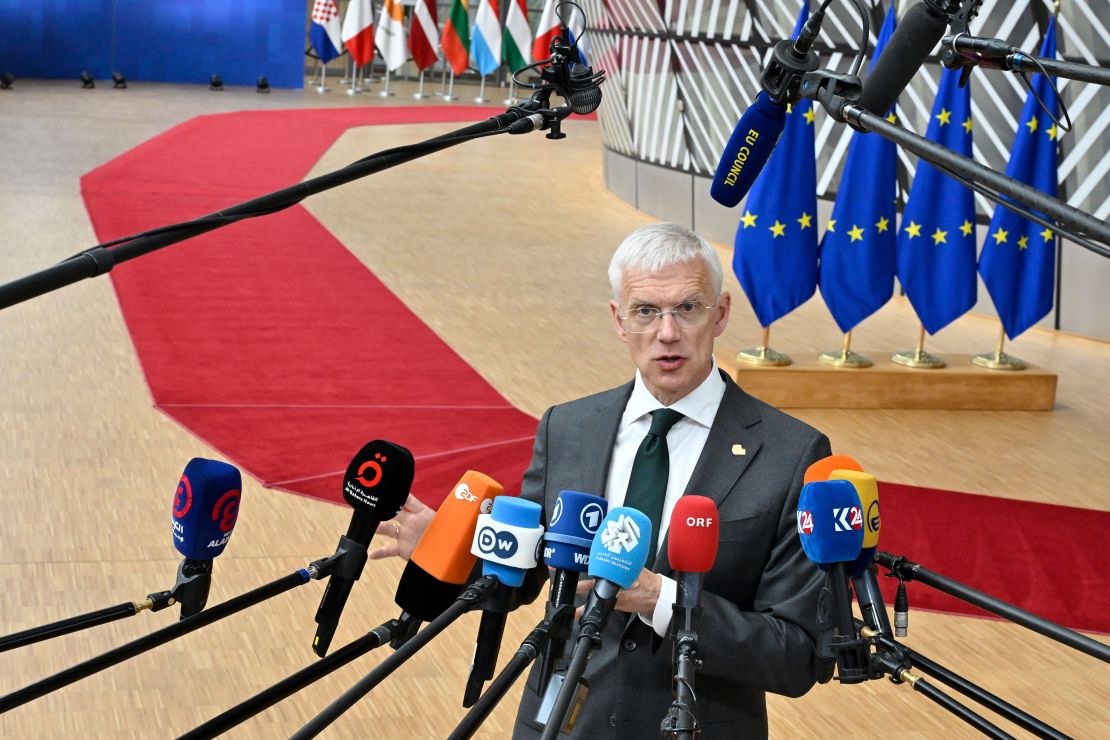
(868, 490)
(617, 557)
(205, 507)
(758, 130)
(570, 532)
(918, 33)
(508, 541)
(376, 484)
(442, 562)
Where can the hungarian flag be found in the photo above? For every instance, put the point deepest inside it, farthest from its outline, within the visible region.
(516, 46)
(486, 35)
(324, 33)
(456, 37)
(358, 31)
(390, 35)
(424, 34)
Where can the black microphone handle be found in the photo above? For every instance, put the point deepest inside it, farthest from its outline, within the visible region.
(569, 689)
(67, 626)
(290, 685)
(681, 720)
(870, 600)
(470, 599)
(153, 640)
(564, 585)
(354, 548)
(491, 631)
(911, 571)
(974, 692)
(845, 627)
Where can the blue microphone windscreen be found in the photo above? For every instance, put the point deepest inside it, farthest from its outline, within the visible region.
(205, 508)
(620, 549)
(570, 532)
(748, 150)
(830, 522)
(862, 562)
(508, 542)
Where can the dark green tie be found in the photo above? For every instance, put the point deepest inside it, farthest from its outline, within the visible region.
(647, 485)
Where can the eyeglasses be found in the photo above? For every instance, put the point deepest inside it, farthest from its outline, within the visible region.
(688, 315)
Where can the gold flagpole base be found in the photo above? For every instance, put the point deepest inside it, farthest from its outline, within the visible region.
(845, 358)
(998, 361)
(763, 357)
(918, 359)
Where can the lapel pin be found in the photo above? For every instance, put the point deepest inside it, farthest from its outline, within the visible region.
(739, 450)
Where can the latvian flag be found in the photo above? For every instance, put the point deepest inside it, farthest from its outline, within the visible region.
(358, 31)
(424, 34)
(324, 34)
(486, 45)
(516, 47)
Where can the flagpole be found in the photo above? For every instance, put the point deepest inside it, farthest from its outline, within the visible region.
(845, 357)
(998, 360)
(450, 94)
(323, 86)
(420, 94)
(511, 100)
(482, 92)
(355, 88)
(763, 355)
(442, 78)
(919, 359)
(386, 92)
(345, 79)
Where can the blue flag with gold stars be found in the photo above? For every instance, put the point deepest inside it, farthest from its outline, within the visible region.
(775, 255)
(857, 250)
(936, 242)
(1018, 262)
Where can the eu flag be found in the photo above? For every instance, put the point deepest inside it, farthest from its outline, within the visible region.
(857, 250)
(1019, 257)
(936, 242)
(775, 256)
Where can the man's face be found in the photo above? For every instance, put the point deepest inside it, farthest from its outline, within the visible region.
(672, 359)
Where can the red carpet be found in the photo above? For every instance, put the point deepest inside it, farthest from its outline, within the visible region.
(269, 340)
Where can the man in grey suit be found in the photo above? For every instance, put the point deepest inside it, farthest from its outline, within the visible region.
(759, 601)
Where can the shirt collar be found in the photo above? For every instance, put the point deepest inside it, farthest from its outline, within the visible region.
(700, 405)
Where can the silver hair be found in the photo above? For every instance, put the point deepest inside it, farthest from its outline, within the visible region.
(658, 246)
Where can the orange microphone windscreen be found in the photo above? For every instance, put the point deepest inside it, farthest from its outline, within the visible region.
(444, 549)
(820, 470)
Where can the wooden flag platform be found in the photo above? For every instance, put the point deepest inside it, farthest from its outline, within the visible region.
(960, 386)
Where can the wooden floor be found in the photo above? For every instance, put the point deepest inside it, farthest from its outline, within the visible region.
(501, 246)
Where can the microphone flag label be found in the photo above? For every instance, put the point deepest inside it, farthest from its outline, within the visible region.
(622, 534)
(620, 549)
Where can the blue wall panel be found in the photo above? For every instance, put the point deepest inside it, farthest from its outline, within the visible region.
(162, 41)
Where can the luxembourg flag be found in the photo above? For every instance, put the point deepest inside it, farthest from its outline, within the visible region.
(358, 31)
(325, 33)
(548, 29)
(485, 45)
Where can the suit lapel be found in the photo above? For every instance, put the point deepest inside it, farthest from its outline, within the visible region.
(733, 441)
(598, 431)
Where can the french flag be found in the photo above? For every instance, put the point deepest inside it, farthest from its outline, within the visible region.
(549, 27)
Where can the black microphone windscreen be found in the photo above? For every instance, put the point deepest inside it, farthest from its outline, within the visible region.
(918, 33)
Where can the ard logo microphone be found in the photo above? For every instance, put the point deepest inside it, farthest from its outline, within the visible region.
(205, 508)
(376, 484)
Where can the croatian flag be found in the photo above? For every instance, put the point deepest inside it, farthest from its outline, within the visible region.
(325, 33)
(485, 45)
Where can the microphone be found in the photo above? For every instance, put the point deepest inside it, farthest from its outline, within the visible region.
(758, 130)
(376, 484)
(205, 507)
(508, 540)
(821, 469)
(691, 550)
(442, 562)
(617, 556)
(918, 32)
(830, 526)
(570, 532)
(862, 571)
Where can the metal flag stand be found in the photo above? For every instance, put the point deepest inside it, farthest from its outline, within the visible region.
(450, 94)
(442, 78)
(355, 88)
(511, 100)
(482, 92)
(386, 92)
(845, 357)
(763, 355)
(420, 94)
(323, 86)
(919, 358)
(998, 360)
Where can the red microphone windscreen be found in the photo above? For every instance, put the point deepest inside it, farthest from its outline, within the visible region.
(692, 539)
(821, 469)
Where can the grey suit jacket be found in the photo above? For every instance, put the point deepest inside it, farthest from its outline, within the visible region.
(759, 601)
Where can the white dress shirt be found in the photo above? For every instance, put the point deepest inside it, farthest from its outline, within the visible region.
(684, 445)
